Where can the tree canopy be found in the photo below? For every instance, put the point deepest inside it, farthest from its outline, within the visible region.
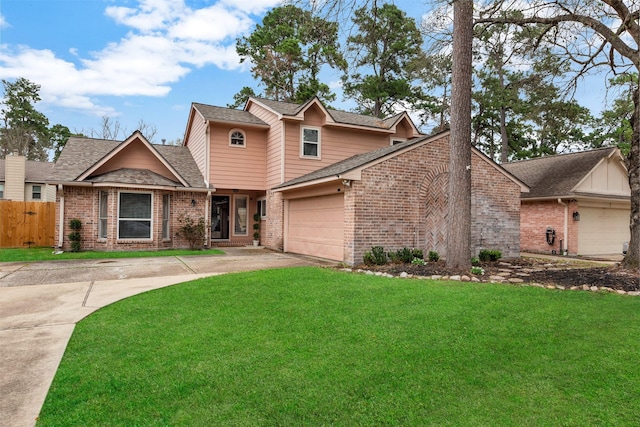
(287, 52)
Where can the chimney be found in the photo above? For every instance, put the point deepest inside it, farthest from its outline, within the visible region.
(14, 176)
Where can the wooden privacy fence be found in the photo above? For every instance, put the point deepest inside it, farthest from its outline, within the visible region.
(24, 224)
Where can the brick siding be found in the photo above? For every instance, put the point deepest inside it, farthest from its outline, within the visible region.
(83, 203)
(537, 216)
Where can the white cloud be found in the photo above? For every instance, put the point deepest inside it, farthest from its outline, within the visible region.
(3, 22)
(166, 40)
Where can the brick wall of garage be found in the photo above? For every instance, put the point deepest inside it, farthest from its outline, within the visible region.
(537, 216)
(386, 204)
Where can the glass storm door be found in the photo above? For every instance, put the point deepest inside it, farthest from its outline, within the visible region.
(220, 217)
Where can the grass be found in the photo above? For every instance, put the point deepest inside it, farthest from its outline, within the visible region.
(310, 347)
(47, 254)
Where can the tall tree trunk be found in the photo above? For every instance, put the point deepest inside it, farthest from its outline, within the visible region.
(504, 139)
(632, 259)
(459, 209)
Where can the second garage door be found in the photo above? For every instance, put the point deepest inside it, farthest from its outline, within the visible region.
(602, 230)
(316, 226)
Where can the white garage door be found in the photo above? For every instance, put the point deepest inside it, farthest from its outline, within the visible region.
(602, 230)
(316, 226)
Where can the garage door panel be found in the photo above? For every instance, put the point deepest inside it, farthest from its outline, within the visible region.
(316, 226)
(602, 230)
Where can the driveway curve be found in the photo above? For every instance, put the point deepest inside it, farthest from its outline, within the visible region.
(41, 302)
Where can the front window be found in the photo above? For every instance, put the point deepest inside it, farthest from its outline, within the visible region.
(36, 192)
(310, 142)
(236, 138)
(165, 217)
(102, 213)
(240, 215)
(134, 216)
(1, 191)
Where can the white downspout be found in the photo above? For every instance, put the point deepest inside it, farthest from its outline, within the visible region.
(207, 220)
(565, 231)
(61, 217)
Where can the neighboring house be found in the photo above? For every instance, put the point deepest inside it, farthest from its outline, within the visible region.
(25, 180)
(128, 194)
(324, 182)
(579, 203)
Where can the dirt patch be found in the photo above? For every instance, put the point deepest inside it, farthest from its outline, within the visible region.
(530, 270)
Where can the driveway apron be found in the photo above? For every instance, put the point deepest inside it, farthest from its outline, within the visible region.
(41, 302)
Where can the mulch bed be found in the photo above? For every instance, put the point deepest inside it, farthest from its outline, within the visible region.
(566, 274)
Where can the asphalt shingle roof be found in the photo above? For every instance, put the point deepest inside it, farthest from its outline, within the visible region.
(344, 117)
(556, 176)
(80, 154)
(213, 113)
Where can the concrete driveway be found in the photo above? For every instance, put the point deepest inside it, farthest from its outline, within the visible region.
(40, 303)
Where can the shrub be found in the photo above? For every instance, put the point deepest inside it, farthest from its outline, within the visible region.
(376, 256)
(193, 232)
(75, 236)
(475, 261)
(418, 261)
(256, 226)
(417, 253)
(477, 270)
(489, 255)
(433, 256)
(404, 255)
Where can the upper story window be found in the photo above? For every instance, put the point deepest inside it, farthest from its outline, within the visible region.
(36, 192)
(1, 191)
(310, 142)
(395, 141)
(237, 138)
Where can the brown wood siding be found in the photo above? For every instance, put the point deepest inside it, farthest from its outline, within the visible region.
(238, 167)
(24, 224)
(136, 156)
(196, 142)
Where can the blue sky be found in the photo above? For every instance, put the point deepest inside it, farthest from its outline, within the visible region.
(136, 59)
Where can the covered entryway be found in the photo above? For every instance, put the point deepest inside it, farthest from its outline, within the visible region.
(602, 230)
(315, 226)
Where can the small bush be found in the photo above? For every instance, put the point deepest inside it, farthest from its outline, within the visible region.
(75, 236)
(475, 261)
(376, 256)
(417, 253)
(193, 232)
(486, 255)
(418, 261)
(477, 270)
(404, 255)
(433, 256)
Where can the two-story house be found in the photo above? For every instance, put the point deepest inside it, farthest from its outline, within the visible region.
(324, 182)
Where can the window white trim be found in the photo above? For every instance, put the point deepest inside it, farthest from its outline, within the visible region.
(166, 217)
(261, 207)
(310, 143)
(234, 138)
(150, 219)
(395, 141)
(240, 225)
(34, 192)
(103, 214)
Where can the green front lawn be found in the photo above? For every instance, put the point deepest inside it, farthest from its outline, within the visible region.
(47, 254)
(310, 346)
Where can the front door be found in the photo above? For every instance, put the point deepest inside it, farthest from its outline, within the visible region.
(220, 217)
